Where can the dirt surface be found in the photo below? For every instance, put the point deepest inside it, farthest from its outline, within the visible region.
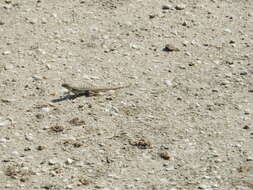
(184, 123)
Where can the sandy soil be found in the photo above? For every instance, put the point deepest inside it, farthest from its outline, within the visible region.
(185, 122)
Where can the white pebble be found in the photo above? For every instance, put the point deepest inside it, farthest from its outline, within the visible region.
(6, 52)
(29, 137)
(227, 30)
(134, 46)
(180, 7)
(8, 185)
(168, 83)
(69, 161)
(8, 67)
(45, 109)
(5, 123)
(36, 77)
(3, 140)
(14, 153)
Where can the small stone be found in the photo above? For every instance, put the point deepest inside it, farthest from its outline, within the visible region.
(165, 155)
(84, 181)
(3, 140)
(188, 53)
(180, 7)
(29, 137)
(170, 47)
(48, 66)
(8, 185)
(43, 20)
(36, 77)
(7, 1)
(8, 67)
(27, 149)
(248, 159)
(41, 51)
(142, 144)
(246, 112)
(204, 186)
(151, 16)
(166, 7)
(168, 83)
(52, 162)
(8, 100)
(227, 30)
(224, 83)
(39, 116)
(45, 109)
(14, 153)
(77, 122)
(69, 161)
(5, 123)
(32, 20)
(246, 127)
(41, 147)
(57, 128)
(134, 46)
(6, 53)
(1, 22)
(243, 73)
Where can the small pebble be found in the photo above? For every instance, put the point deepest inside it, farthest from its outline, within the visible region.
(7, 1)
(14, 153)
(166, 7)
(3, 140)
(43, 20)
(29, 137)
(180, 7)
(246, 127)
(204, 186)
(45, 109)
(36, 77)
(5, 123)
(6, 53)
(8, 185)
(52, 162)
(69, 161)
(152, 16)
(134, 46)
(170, 47)
(243, 73)
(8, 100)
(165, 155)
(227, 30)
(8, 67)
(41, 147)
(168, 83)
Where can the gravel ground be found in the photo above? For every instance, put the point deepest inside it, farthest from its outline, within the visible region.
(184, 123)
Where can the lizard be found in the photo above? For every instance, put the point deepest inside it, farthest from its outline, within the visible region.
(81, 91)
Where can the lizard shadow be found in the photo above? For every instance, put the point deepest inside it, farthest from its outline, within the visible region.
(68, 97)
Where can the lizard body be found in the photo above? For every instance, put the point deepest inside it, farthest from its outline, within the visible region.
(80, 91)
